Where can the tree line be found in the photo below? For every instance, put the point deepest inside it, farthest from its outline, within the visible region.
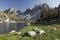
(49, 15)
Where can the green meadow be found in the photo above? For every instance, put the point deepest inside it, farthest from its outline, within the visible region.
(50, 34)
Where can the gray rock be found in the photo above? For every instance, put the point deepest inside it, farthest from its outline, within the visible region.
(18, 33)
(31, 33)
(56, 39)
(41, 32)
(13, 31)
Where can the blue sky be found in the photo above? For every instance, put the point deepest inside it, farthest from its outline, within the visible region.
(24, 4)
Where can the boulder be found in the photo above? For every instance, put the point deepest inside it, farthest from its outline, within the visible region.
(31, 33)
(38, 31)
(13, 31)
(41, 32)
(28, 23)
(18, 33)
(56, 39)
(54, 29)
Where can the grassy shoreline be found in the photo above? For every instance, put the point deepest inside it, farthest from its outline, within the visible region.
(49, 35)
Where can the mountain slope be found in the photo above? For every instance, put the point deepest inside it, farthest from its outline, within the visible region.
(13, 17)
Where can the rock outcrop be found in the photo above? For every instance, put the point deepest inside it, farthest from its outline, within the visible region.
(31, 33)
(3, 18)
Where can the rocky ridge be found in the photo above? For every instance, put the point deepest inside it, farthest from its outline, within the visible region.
(31, 14)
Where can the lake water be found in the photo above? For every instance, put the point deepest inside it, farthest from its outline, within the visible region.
(7, 27)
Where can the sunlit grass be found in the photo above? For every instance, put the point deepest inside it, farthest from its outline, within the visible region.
(49, 35)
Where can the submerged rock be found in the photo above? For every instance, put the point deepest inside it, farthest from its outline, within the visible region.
(28, 23)
(13, 31)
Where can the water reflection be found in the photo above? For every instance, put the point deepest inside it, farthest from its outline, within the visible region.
(7, 27)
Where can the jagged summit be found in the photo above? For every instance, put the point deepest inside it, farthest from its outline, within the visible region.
(45, 5)
(31, 14)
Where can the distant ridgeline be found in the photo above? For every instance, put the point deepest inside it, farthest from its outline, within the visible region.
(38, 14)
